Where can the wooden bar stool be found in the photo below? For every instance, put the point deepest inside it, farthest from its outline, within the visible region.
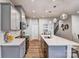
(75, 50)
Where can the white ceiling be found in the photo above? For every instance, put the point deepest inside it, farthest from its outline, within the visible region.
(44, 8)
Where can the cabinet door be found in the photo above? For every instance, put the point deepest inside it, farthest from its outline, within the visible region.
(13, 14)
(22, 50)
(10, 51)
(0, 51)
(5, 17)
(57, 51)
(15, 19)
(0, 17)
(10, 18)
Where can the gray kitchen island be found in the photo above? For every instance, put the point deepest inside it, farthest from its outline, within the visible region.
(58, 47)
(14, 49)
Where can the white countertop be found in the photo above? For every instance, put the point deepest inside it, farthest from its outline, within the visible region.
(55, 40)
(15, 42)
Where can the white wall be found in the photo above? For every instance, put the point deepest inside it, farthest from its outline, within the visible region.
(67, 33)
(75, 27)
(35, 28)
(32, 29)
(50, 25)
(28, 31)
(15, 33)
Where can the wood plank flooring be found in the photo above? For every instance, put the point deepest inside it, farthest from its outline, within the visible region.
(34, 50)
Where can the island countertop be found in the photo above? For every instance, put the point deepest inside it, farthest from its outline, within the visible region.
(15, 42)
(55, 40)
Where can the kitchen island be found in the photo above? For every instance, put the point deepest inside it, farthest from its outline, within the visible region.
(14, 49)
(58, 47)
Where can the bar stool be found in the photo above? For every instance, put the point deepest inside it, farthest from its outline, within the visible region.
(75, 50)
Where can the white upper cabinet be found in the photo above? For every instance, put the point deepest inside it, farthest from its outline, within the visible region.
(10, 18)
(22, 16)
(15, 19)
(0, 17)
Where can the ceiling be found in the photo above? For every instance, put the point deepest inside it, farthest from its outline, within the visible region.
(48, 8)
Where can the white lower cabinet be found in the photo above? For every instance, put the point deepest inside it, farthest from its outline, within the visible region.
(57, 51)
(13, 51)
(22, 50)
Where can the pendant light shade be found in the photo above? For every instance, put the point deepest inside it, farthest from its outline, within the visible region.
(54, 20)
(64, 16)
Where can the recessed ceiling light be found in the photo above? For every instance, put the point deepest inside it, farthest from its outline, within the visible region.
(55, 20)
(23, 16)
(77, 11)
(46, 11)
(53, 0)
(33, 0)
(33, 11)
(50, 22)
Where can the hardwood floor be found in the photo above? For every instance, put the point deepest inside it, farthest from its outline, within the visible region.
(34, 50)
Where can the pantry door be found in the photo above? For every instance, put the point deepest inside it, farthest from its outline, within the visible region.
(34, 29)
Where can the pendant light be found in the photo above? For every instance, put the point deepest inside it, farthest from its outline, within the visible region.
(54, 20)
(64, 16)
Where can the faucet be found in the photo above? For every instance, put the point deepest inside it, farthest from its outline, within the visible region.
(50, 34)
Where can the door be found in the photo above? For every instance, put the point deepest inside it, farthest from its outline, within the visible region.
(34, 29)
